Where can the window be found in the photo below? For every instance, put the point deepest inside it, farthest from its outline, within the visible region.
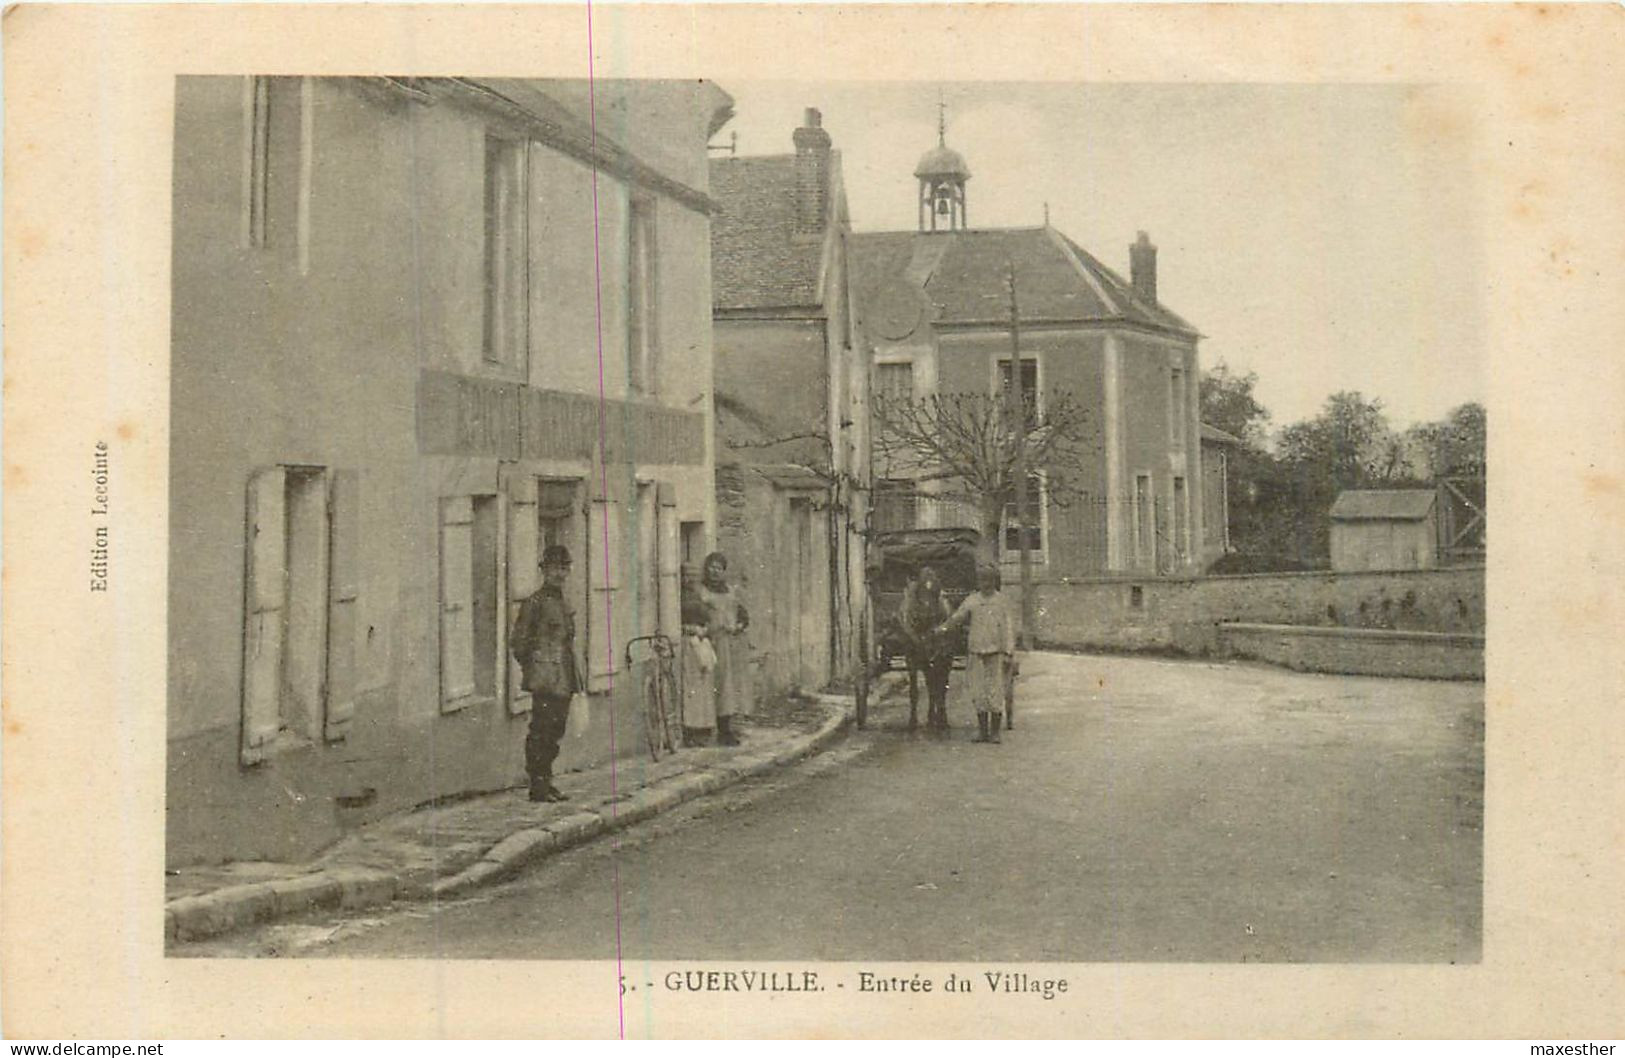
(541, 512)
(693, 543)
(1182, 522)
(1030, 393)
(1145, 523)
(507, 253)
(468, 600)
(894, 383)
(896, 504)
(299, 617)
(1177, 411)
(642, 369)
(560, 521)
(275, 173)
(1032, 522)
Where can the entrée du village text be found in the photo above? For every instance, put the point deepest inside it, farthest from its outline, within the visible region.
(998, 982)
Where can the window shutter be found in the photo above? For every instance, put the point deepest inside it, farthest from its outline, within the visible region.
(456, 602)
(265, 592)
(603, 581)
(522, 579)
(646, 561)
(671, 559)
(343, 589)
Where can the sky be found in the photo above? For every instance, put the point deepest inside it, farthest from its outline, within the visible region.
(1323, 236)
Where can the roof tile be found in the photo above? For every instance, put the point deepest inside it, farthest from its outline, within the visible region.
(757, 260)
(1055, 278)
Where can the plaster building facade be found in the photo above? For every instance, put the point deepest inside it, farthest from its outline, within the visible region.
(421, 329)
(792, 423)
(934, 304)
(1217, 446)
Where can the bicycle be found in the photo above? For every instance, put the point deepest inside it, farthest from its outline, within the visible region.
(662, 699)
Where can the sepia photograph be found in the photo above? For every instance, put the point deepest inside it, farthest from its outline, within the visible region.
(841, 521)
(831, 521)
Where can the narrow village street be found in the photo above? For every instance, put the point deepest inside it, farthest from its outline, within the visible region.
(1142, 809)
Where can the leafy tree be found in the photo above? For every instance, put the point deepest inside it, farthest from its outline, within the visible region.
(1228, 402)
(1348, 445)
(1455, 445)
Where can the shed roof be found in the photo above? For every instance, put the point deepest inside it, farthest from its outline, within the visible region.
(1397, 505)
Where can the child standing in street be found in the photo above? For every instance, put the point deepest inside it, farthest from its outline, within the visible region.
(992, 647)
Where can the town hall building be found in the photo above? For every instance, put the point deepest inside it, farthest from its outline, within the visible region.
(934, 304)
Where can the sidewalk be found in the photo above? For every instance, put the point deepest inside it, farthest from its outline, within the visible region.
(445, 849)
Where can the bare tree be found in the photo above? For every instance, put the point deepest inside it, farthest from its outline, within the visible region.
(972, 442)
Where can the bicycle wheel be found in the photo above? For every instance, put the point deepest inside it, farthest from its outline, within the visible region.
(653, 714)
(671, 706)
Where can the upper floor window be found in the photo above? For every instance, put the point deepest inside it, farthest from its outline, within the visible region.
(894, 382)
(1177, 412)
(276, 123)
(642, 350)
(507, 253)
(1030, 394)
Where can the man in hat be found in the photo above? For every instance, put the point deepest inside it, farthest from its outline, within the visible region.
(543, 644)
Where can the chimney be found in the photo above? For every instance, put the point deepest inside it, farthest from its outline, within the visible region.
(1142, 268)
(812, 173)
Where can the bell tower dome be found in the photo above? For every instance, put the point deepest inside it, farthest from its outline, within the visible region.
(942, 173)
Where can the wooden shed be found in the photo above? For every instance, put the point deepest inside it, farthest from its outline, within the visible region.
(1385, 529)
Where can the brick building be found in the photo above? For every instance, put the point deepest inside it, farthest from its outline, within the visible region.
(397, 306)
(791, 395)
(934, 305)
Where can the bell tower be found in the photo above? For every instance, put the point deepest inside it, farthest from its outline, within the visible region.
(942, 173)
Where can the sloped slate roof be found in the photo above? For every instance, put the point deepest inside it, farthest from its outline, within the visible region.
(1056, 280)
(757, 260)
(1403, 505)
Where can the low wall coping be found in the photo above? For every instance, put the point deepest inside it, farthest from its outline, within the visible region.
(1389, 634)
(1128, 577)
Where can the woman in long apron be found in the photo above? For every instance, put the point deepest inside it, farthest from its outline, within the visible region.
(699, 661)
(726, 620)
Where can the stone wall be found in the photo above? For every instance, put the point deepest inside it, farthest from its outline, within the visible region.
(1358, 651)
(1183, 614)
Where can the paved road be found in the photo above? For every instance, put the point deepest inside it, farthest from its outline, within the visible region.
(1142, 810)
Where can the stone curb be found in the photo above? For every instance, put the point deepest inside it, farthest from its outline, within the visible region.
(350, 888)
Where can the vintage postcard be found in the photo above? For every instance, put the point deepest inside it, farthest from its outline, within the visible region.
(839, 521)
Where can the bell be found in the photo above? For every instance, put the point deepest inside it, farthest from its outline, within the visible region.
(942, 204)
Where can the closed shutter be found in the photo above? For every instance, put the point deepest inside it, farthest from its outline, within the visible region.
(522, 577)
(648, 562)
(265, 593)
(604, 553)
(456, 602)
(671, 562)
(344, 579)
